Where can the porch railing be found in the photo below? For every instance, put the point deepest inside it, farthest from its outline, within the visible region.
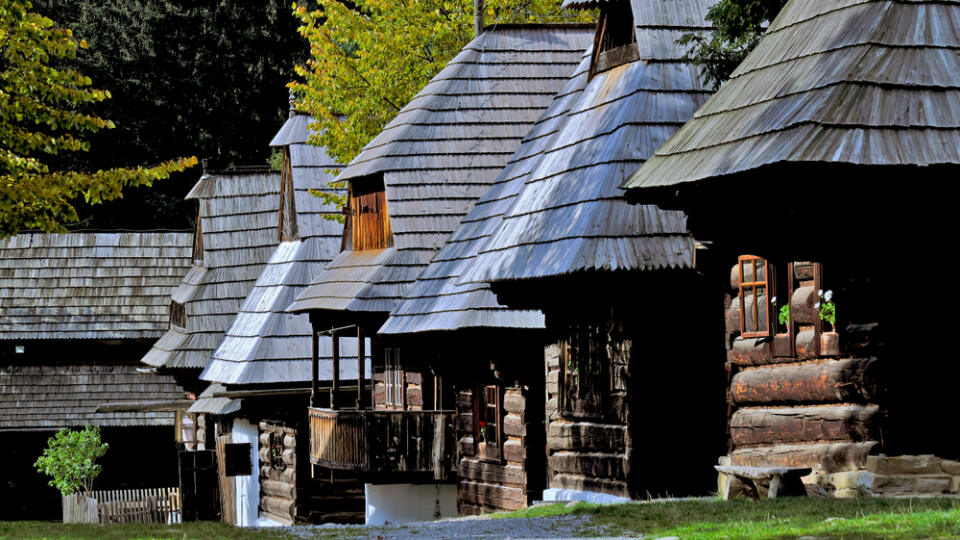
(384, 441)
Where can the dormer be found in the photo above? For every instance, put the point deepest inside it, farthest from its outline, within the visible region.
(287, 228)
(615, 41)
(368, 223)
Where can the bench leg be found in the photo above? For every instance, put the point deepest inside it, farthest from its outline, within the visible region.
(774, 487)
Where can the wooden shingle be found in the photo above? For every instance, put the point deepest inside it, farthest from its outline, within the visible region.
(264, 343)
(89, 285)
(859, 82)
(442, 151)
(238, 218)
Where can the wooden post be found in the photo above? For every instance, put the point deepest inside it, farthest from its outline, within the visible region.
(314, 366)
(335, 387)
(477, 17)
(361, 361)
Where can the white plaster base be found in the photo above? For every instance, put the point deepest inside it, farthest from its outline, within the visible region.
(247, 487)
(403, 503)
(555, 494)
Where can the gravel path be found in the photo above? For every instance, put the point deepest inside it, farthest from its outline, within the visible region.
(568, 526)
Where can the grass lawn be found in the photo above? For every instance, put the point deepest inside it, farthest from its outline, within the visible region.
(790, 517)
(689, 519)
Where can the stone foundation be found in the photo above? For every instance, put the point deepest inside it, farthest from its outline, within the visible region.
(895, 476)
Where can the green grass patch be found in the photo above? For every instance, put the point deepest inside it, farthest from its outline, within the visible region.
(788, 517)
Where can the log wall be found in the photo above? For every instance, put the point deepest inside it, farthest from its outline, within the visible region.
(293, 491)
(590, 453)
(495, 485)
(809, 405)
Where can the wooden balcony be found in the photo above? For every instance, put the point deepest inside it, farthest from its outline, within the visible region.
(384, 442)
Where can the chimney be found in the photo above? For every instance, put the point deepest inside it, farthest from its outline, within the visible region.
(477, 17)
(293, 105)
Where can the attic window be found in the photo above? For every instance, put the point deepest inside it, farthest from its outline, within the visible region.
(615, 41)
(198, 240)
(288, 210)
(369, 220)
(178, 314)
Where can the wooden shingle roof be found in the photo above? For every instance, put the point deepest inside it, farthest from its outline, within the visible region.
(860, 82)
(239, 217)
(89, 285)
(265, 344)
(563, 211)
(54, 397)
(441, 153)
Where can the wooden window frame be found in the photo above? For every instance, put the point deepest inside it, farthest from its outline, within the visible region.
(178, 314)
(287, 226)
(369, 217)
(486, 450)
(394, 381)
(609, 50)
(753, 286)
(602, 379)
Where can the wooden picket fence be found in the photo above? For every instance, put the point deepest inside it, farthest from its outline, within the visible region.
(157, 505)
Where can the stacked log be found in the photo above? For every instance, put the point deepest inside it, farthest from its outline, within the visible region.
(805, 405)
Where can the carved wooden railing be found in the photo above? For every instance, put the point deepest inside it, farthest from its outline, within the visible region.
(384, 441)
(337, 439)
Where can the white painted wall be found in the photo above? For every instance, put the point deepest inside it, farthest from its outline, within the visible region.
(403, 503)
(247, 487)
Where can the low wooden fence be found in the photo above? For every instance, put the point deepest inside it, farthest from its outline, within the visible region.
(157, 505)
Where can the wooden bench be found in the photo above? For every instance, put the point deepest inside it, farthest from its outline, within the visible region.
(770, 482)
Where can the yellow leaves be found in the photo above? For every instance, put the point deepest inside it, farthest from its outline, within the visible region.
(83, 44)
(34, 93)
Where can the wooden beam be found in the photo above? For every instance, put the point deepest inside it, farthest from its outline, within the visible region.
(848, 380)
(805, 424)
(335, 387)
(361, 352)
(314, 366)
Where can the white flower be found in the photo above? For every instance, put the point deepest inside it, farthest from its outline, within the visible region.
(828, 295)
(820, 292)
(816, 306)
(773, 300)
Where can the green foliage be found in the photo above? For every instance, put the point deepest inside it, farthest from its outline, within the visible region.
(189, 77)
(43, 113)
(368, 58)
(784, 315)
(275, 161)
(738, 26)
(70, 458)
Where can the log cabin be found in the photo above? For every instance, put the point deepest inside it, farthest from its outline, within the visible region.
(813, 171)
(265, 357)
(408, 189)
(77, 311)
(616, 282)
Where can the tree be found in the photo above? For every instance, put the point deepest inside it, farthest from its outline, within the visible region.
(368, 58)
(738, 26)
(70, 458)
(43, 113)
(189, 77)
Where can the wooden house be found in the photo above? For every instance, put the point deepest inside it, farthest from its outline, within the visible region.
(77, 311)
(234, 237)
(616, 282)
(810, 170)
(408, 189)
(264, 360)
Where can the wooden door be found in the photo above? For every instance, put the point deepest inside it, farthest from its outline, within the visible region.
(228, 501)
(199, 490)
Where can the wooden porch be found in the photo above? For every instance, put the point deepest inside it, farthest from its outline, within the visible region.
(384, 442)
